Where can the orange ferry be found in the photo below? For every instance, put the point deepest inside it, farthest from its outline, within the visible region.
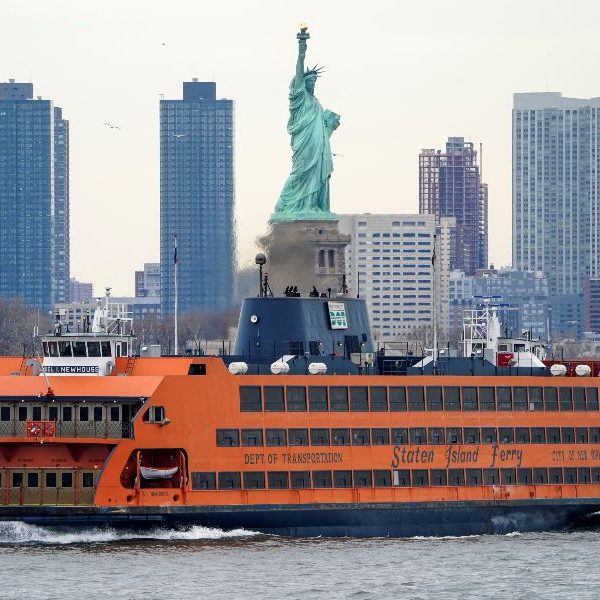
(304, 430)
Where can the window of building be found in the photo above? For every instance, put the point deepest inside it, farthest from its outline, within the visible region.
(254, 480)
(418, 435)
(359, 399)
(581, 435)
(203, 480)
(250, 398)
(489, 435)
(420, 478)
(401, 478)
(319, 437)
(555, 475)
(538, 435)
(322, 479)
(84, 413)
(340, 437)
(579, 398)
(438, 477)
(378, 399)
(436, 435)
(380, 436)
(592, 398)
(456, 477)
(229, 480)
(338, 398)
(540, 476)
(66, 480)
(317, 398)
(454, 435)
(508, 476)
(434, 398)
(228, 437)
(363, 479)
(276, 437)
(296, 398)
(491, 477)
(536, 400)
(506, 435)
(550, 399)
(399, 436)
(382, 478)
(567, 435)
(274, 400)
(416, 400)
(471, 435)
(570, 475)
(397, 399)
(469, 398)
(361, 437)
(452, 398)
(342, 479)
(522, 435)
(298, 437)
(252, 437)
(300, 479)
(504, 398)
(565, 398)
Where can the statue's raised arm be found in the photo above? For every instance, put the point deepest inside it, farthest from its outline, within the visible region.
(299, 80)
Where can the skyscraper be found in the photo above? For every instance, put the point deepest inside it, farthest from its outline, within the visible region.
(556, 194)
(197, 199)
(34, 198)
(450, 186)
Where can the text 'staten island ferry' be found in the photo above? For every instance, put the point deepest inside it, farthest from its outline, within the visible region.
(305, 430)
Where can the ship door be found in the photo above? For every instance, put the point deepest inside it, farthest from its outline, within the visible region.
(86, 484)
(15, 483)
(50, 481)
(66, 487)
(4, 476)
(32, 490)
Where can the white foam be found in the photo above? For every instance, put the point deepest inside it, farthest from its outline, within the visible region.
(16, 532)
(442, 537)
(513, 534)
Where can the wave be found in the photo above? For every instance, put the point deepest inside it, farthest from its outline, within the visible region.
(442, 537)
(16, 532)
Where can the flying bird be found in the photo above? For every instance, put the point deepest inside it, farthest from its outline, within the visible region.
(179, 135)
(334, 154)
(112, 126)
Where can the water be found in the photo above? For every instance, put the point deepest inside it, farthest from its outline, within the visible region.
(40, 563)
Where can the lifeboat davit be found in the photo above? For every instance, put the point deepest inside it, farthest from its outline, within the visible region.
(152, 473)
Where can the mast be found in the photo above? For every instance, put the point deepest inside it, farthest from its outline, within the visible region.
(433, 297)
(175, 262)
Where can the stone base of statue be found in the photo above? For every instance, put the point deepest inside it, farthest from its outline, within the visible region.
(305, 253)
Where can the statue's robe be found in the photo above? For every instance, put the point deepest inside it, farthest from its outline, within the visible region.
(306, 190)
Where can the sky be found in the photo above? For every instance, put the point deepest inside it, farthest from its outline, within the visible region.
(403, 75)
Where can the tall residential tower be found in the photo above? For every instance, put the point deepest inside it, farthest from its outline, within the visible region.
(197, 199)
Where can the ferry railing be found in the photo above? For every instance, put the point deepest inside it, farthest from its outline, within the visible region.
(75, 429)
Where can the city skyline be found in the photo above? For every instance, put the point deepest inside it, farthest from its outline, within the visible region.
(391, 107)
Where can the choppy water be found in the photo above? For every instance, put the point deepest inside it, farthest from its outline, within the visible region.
(39, 563)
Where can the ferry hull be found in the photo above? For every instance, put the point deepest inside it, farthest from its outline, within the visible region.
(334, 520)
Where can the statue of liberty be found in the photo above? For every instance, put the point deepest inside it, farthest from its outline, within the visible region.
(305, 195)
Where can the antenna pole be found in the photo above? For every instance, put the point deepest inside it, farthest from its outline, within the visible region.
(175, 263)
(433, 297)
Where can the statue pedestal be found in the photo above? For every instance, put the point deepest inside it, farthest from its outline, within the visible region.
(305, 254)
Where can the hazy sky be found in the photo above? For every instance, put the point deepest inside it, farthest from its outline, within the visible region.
(404, 75)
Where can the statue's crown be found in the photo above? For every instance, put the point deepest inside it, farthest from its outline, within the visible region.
(314, 72)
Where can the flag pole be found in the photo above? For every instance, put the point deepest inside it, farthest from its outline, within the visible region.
(434, 299)
(175, 261)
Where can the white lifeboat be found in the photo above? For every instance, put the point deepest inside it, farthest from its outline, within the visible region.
(152, 473)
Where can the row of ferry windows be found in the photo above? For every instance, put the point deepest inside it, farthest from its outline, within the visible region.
(50, 480)
(59, 413)
(82, 349)
(382, 436)
(283, 480)
(274, 398)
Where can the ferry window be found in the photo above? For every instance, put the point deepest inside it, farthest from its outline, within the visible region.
(22, 413)
(50, 480)
(278, 480)
(550, 399)
(5, 413)
(592, 398)
(522, 435)
(197, 369)
(555, 475)
(250, 400)
(252, 437)
(296, 398)
(115, 413)
(535, 398)
(418, 435)
(298, 437)
(229, 480)
(524, 476)
(434, 397)
(300, 479)
(342, 479)
(66, 480)
(520, 398)
(454, 435)
(319, 437)
(254, 480)
(228, 437)
(567, 435)
(508, 476)
(570, 475)
(383, 478)
(538, 435)
(84, 413)
(274, 401)
(98, 416)
(436, 435)
(17, 479)
(415, 398)
(64, 349)
(438, 477)
(340, 437)
(581, 435)
(87, 481)
(276, 437)
(52, 349)
(420, 478)
(67, 413)
(566, 401)
(401, 478)
(579, 398)
(506, 435)
(595, 474)
(322, 479)
(452, 398)
(200, 480)
(399, 436)
(338, 397)
(33, 480)
(473, 477)
(504, 398)
(380, 436)
(487, 400)
(106, 349)
(540, 476)
(469, 398)
(491, 477)
(553, 435)
(489, 435)
(378, 399)
(363, 479)
(45, 348)
(79, 349)
(53, 413)
(398, 399)
(456, 477)
(359, 399)
(583, 475)
(36, 413)
(594, 435)
(361, 437)
(317, 398)
(471, 435)
(93, 348)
